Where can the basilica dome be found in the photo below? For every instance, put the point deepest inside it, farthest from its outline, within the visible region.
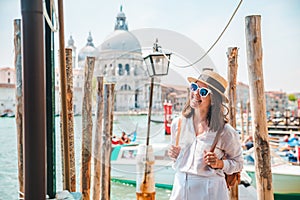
(88, 50)
(121, 40)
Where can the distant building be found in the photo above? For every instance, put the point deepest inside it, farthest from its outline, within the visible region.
(7, 90)
(276, 101)
(119, 60)
(178, 95)
(7, 75)
(242, 95)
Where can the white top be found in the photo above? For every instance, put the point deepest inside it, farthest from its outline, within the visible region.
(190, 159)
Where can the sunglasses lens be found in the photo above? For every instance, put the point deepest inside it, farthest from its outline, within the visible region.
(203, 92)
(194, 87)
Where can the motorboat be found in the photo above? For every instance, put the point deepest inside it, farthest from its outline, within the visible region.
(124, 165)
(124, 160)
(285, 175)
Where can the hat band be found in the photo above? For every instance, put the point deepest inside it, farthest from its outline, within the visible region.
(212, 82)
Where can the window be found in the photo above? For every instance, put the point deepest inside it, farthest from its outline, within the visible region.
(129, 154)
(127, 68)
(125, 87)
(8, 80)
(121, 71)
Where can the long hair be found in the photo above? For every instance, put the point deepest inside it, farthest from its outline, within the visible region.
(216, 117)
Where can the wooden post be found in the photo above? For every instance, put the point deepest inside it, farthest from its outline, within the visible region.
(258, 109)
(106, 140)
(19, 102)
(97, 142)
(87, 127)
(70, 117)
(242, 121)
(232, 55)
(232, 72)
(247, 122)
(63, 99)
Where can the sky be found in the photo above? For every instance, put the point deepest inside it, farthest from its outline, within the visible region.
(201, 21)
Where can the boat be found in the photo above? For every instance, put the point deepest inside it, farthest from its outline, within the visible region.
(124, 160)
(285, 176)
(132, 138)
(157, 121)
(124, 166)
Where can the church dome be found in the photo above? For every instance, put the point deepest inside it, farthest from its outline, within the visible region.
(121, 40)
(88, 50)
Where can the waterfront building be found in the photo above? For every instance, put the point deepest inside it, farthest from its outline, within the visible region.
(276, 101)
(119, 60)
(242, 94)
(7, 90)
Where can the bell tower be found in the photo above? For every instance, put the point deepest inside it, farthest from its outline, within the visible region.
(121, 23)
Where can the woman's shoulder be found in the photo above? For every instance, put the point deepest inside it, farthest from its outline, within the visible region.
(176, 120)
(228, 129)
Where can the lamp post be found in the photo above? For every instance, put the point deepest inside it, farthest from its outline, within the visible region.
(157, 65)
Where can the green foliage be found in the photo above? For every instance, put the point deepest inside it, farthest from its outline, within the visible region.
(292, 97)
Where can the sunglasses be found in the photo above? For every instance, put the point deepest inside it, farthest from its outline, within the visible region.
(203, 92)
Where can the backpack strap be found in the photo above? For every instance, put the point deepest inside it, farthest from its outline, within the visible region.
(213, 146)
(178, 131)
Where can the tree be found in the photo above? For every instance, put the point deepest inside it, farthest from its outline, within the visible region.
(292, 97)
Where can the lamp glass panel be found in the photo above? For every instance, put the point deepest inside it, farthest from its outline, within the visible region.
(149, 65)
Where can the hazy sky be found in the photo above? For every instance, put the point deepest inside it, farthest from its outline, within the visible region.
(202, 21)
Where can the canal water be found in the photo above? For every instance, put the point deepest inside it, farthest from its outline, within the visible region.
(119, 191)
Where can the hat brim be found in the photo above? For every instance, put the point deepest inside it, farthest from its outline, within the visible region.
(194, 80)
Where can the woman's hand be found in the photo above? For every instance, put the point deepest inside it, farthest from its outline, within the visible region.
(174, 151)
(211, 160)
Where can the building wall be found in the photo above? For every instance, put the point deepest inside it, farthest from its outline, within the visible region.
(7, 98)
(7, 75)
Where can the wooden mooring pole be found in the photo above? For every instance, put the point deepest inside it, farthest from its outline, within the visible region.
(19, 102)
(263, 172)
(232, 55)
(87, 127)
(247, 122)
(242, 121)
(63, 99)
(97, 141)
(106, 140)
(70, 118)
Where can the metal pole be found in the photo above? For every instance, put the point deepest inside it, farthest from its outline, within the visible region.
(50, 108)
(149, 113)
(34, 100)
(146, 184)
(63, 87)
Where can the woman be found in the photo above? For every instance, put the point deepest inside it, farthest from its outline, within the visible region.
(200, 173)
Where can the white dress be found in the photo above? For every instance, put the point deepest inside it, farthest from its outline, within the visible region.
(194, 180)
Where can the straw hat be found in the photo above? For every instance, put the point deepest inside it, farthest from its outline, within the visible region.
(214, 80)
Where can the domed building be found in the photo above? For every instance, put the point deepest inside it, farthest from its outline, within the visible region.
(88, 50)
(119, 60)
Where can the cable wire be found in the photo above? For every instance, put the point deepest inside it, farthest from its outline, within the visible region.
(212, 46)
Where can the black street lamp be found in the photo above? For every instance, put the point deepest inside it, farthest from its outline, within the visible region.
(157, 62)
(157, 65)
